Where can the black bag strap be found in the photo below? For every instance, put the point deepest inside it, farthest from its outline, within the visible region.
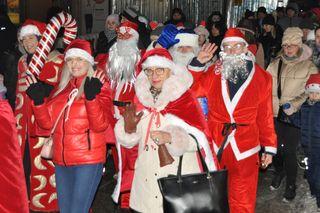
(203, 163)
(279, 79)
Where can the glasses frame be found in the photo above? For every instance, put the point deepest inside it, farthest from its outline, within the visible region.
(159, 71)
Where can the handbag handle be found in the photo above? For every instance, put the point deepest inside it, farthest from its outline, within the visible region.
(71, 98)
(203, 163)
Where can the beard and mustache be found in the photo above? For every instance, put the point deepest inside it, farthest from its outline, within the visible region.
(123, 57)
(234, 67)
(182, 58)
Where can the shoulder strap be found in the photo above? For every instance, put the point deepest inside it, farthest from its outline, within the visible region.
(71, 98)
(279, 79)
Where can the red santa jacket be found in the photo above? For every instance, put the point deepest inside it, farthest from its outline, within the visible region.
(80, 134)
(251, 107)
(13, 191)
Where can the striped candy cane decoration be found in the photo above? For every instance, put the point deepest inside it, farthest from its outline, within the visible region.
(46, 42)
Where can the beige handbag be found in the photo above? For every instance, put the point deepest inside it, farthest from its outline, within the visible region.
(46, 151)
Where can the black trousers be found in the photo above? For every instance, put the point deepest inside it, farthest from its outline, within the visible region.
(285, 161)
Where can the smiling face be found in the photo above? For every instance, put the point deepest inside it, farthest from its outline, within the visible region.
(30, 43)
(77, 66)
(314, 96)
(157, 76)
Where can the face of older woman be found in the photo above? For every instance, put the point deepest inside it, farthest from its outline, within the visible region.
(290, 50)
(157, 76)
(77, 66)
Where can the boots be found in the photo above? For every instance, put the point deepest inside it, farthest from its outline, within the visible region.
(276, 181)
(289, 194)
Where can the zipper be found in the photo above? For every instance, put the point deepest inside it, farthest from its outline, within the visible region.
(89, 142)
(63, 131)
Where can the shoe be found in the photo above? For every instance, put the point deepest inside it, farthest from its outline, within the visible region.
(303, 163)
(276, 182)
(318, 210)
(289, 194)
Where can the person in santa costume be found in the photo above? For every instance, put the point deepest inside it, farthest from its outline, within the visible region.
(120, 65)
(39, 173)
(79, 150)
(13, 190)
(167, 113)
(240, 116)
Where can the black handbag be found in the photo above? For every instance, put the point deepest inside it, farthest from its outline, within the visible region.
(205, 192)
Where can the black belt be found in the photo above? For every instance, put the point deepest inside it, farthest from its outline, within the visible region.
(121, 103)
(227, 129)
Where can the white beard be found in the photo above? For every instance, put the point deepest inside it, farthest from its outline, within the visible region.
(234, 67)
(123, 57)
(182, 58)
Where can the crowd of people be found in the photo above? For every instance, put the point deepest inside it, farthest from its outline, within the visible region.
(153, 92)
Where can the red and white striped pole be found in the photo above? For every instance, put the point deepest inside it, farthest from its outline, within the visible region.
(46, 42)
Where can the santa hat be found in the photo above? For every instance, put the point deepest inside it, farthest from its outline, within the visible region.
(153, 25)
(187, 38)
(32, 27)
(233, 34)
(180, 25)
(131, 28)
(313, 83)
(157, 57)
(79, 48)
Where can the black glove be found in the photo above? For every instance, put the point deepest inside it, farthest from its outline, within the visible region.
(47, 88)
(92, 87)
(36, 92)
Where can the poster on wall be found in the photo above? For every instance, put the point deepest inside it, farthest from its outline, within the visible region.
(14, 11)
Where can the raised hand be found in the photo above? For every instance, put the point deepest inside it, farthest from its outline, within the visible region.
(92, 86)
(131, 118)
(206, 52)
(167, 37)
(35, 90)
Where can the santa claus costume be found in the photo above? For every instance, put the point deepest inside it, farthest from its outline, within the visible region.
(40, 172)
(176, 111)
(240, 113)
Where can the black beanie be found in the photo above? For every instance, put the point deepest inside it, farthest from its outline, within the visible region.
(268, 20)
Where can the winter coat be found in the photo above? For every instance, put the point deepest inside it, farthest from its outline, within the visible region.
(308, 119)
(286, 22)
(79, 137)
(294, 75)
(103, 44)
(315, 54)
(145, 192)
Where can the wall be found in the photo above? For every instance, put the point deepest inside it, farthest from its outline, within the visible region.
(37, 10)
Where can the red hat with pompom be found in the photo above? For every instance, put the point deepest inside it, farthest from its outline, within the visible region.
(233, 34)
(31, 26)
(313, 83)
(79, 48)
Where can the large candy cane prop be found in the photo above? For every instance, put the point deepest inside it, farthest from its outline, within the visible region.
(46, 42)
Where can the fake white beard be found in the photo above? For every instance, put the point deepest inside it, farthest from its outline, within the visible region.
(123, 57)
(233, 67)
(182, 58)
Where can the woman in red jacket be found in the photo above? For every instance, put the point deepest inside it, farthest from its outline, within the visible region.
(79, 148)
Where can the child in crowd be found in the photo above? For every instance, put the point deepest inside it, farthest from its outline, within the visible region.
(308, 119)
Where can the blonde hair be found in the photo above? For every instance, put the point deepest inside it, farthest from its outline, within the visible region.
(66, 76)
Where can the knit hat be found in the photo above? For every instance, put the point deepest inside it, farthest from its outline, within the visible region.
(202, 30)
(292, 35)
(157, 57)
(32, 27)
(187, 38)
(262, 10)
(292, 5)
(306, 23)
(129, 27)
(233, 34)
(269, 20)
(79, 48)
(313, 83)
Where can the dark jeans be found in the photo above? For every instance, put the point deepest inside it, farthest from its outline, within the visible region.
(76, 186)
(313, 171)
(285, 161)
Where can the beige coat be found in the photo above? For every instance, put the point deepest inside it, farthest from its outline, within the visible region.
(294, 75)
(145, 193)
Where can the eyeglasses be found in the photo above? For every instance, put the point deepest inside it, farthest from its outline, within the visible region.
(286, 46)
(158, 71)
(236, 47)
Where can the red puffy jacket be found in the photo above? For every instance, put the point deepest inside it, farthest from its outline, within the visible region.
(80, 139)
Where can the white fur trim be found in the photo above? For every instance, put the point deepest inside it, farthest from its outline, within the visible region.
(158, 61)
(29, 29)
(180, 140)
(313, 87)
(230, 39)
(77, 52)
(131, 31)
(270, 149)
(187, 39)
(196, 69)
(201, 137)
(173, 87)
(125, 139)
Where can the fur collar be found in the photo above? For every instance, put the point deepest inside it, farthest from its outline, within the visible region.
(175, 86)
